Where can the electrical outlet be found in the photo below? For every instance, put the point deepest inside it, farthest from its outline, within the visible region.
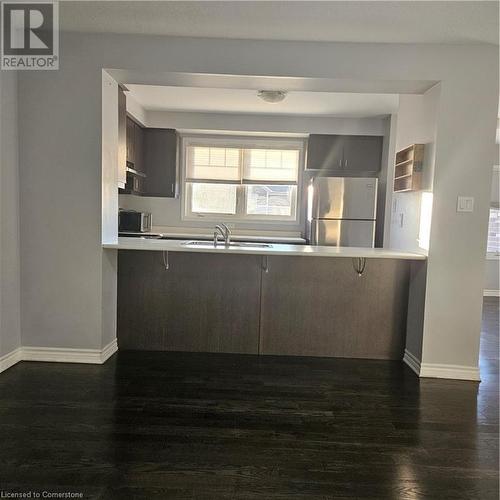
(465, 204)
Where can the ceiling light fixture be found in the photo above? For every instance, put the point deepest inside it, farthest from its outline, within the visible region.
(272, 95)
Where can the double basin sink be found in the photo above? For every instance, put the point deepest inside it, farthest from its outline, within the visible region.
(209, 243)
(233, 244)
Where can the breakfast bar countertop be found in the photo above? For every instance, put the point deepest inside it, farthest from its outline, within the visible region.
(270, 249)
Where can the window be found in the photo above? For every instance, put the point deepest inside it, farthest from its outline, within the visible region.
(494, 231)
(251, 178)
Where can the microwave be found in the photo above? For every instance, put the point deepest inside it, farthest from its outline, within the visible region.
(131, 221)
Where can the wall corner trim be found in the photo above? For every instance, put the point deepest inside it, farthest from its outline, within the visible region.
(10, 359)
(432, 370)
(109, 350)
(58, 355)
(491, 293)
(412, 361)
(456, 372)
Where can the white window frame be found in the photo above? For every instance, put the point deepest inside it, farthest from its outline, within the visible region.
(241, 202)
(493, 255)
(489, 254)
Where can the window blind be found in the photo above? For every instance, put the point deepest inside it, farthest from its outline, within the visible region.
(213, 164)
(232, 165)
(268, 166)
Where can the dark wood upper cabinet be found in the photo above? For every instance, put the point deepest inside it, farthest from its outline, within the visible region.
(151, 161)
(133, 143)
(344, 154)
(362, 153)
(160, 158)
(325, 152)
(122, 137)
(139, 163)
(135, 146)
(130, 141)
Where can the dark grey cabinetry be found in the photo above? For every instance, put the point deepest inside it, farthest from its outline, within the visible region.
(139, 163)
(131, 125)
(122, 137)
(135, 147)
(321, 307)
(151, 161)
(362, 153)
(325, 152)
(160, 158)
(344, 154)
(304, 306)
(135, 168)
(202, 303)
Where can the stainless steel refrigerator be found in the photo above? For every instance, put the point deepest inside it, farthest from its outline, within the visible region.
(343, 211)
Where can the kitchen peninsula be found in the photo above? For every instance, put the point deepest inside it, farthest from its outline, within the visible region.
(262, 299)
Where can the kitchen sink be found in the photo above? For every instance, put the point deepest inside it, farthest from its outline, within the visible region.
(233, 244)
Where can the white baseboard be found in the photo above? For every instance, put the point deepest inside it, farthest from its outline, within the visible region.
(456, 372)
(491, 293)
(109, 350)
(412, 361)
(432, 370)
(10, 359)
(58, 355)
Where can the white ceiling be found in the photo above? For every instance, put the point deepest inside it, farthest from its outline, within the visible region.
(340, 21)
(244, 101)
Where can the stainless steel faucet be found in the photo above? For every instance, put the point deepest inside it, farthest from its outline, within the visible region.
(225, 233)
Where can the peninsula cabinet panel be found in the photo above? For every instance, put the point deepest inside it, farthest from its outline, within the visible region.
(202, 303)
(321, 307)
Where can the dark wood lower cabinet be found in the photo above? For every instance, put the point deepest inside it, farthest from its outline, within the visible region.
(321, 307)
(306, 306)
(202, 303)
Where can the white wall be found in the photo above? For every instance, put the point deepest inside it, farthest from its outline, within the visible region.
(168, 211)
(384, 191)
(416, 124)
(465, 153)
(492, 265)
(62, 260)
(10, 316)
(109, 158)
(266, 123)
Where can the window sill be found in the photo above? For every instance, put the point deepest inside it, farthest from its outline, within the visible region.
(492, 256)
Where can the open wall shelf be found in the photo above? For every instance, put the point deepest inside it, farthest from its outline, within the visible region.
(408, 169)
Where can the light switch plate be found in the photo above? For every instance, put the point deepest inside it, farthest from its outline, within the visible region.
(465, 204)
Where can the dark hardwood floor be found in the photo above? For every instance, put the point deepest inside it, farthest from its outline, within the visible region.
(206, 426)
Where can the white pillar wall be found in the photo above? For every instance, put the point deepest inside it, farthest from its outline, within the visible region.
(10, 317)
(65, 277)
(465, 153)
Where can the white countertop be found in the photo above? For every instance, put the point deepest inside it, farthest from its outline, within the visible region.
(274, 249)
(182, 235)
